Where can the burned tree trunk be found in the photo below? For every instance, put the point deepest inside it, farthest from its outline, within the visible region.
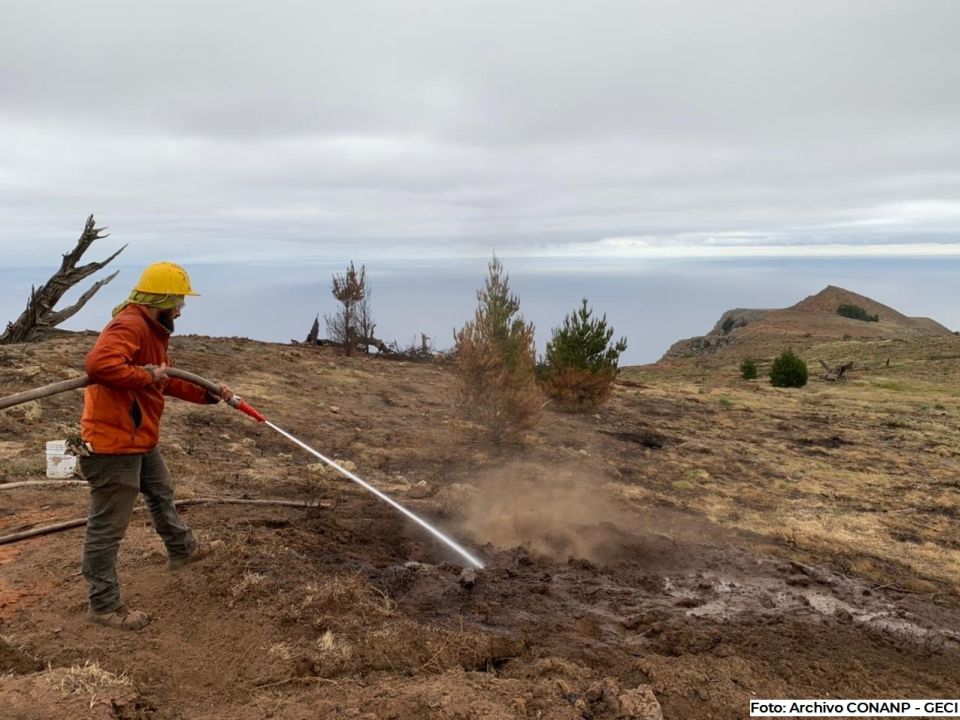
(358, 341)
(364, 342)
(40, 315)
(836, 373)
(314, 335)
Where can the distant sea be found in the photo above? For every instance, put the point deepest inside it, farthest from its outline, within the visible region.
(651, 302)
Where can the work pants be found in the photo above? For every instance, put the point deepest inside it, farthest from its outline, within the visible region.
(115, 481)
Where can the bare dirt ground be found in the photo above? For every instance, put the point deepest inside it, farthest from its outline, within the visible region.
(701, 538)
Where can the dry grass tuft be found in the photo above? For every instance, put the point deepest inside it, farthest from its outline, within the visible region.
(89, 678)
(249, 581)
(326, 643)
(280, 651)
(339, 594)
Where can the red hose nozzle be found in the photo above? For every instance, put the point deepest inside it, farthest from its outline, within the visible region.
(237, 403)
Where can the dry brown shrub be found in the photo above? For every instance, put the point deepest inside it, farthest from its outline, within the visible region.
(578, 390)
(504, 400)
(495, 362)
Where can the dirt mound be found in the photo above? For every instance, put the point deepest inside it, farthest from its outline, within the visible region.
(15, 661)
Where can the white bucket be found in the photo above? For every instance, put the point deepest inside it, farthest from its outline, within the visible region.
(60, 464)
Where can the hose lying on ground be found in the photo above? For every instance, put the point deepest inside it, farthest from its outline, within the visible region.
(40, 483)
(66, 525)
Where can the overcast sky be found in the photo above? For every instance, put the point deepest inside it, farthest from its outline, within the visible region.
(278, 131)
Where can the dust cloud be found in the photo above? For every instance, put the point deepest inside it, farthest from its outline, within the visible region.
(560, 512)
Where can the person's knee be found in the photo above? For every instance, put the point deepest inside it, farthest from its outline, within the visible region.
(109, 519)
(154, 476)
(105, 538)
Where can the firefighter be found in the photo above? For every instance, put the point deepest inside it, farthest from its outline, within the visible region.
(120, 430)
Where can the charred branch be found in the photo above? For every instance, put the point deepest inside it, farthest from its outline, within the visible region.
(361, 344)
(314, 335)
(40, 314)
(836, 373)
(358, 341)
(416, 352)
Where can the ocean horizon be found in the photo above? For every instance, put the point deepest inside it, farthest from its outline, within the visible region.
(652, 302)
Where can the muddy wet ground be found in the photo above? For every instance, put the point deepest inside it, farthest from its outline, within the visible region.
(346, 609)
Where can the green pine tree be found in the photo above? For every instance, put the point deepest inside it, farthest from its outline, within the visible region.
(580, 364)
(788, 370)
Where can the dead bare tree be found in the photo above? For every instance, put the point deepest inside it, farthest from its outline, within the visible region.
(365, 324)
(836, 373)
(350, 289)
(351, 327)
(40, 315)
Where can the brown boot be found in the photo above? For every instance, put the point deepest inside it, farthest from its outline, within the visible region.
(199, 553)
(123, 618)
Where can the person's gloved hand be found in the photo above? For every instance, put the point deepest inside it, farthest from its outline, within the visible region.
(158, 373)
(226, 394)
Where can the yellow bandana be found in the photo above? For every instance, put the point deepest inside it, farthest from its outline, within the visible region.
(163, 302)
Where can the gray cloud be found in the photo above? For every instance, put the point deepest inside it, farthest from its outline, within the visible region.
(220, 130)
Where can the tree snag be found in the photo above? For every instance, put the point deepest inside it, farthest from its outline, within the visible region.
(836, 373)
(313, 336)
(353, 318)
(361, 341)
(40, 315)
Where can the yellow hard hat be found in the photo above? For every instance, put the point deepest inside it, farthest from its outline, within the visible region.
(165, 278)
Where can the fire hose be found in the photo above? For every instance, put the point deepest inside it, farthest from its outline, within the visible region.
(239, 404)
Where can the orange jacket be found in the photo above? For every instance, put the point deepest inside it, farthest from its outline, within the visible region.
(121, 411)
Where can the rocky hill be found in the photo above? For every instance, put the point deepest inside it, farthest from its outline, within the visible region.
(813, 318)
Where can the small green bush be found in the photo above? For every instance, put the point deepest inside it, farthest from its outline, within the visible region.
(788, 370)
(748, 369)
(581, 361)
(857, 313)
(727, 326)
